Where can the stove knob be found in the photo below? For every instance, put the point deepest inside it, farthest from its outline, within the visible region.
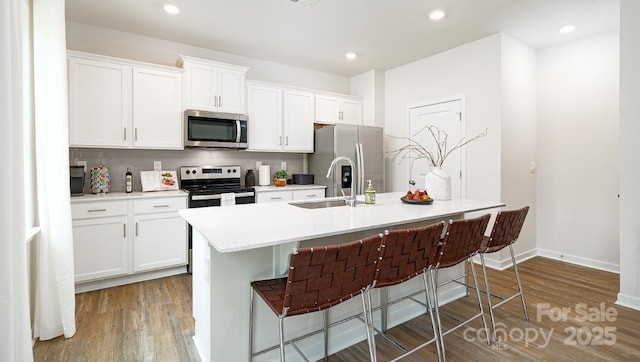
(187, 172)
(194, 171)
(234, 170)
(228, 170)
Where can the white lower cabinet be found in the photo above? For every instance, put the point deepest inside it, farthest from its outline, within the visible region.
(156, 241)
(290, 195)
(100, 247)
(122, 241)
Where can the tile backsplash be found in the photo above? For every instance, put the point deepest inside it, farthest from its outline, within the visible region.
(117, 161)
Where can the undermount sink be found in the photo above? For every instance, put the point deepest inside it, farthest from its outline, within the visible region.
(322, 204)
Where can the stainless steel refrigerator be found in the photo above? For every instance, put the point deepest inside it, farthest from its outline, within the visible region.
(362, 144)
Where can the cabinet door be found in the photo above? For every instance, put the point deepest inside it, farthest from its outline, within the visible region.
(308, 194)
(200, 87)
(265, 118)
(351, 111)
(326, 109)
(160, 240)
(298, 121)
(231, 91)
(157, 109)
(100, 248)
(273, 196)
(99, 103)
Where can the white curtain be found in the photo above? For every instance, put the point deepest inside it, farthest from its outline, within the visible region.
(14, 296)
(55, 293)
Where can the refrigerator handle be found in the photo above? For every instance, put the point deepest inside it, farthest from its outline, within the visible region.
(360, 162)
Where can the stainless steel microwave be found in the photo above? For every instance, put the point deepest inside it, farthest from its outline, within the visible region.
(215, 129)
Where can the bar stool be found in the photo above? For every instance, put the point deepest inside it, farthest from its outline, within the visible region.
(318, 279)
(505, 232)
(461, 242)
(408, 253)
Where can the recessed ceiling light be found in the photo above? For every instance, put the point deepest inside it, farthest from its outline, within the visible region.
(171, 9)
(436, 14)
(567, 29)
(351, 55)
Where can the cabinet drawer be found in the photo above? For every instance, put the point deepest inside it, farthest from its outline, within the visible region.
(308, 194)
(274, 196)
(98, 209)
(161, 204)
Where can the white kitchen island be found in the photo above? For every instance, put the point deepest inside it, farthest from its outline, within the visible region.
(234, 245)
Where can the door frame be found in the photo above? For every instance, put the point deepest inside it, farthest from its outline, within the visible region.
(463, 131)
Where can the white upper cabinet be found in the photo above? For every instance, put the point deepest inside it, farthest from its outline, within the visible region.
(265, 117)
(213, 86)
(338, 109)
(115, 103)
(99, 103)
(157, 110)
(298, 120)
(280, 118)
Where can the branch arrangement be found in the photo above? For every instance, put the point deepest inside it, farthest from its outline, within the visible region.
(434, 158)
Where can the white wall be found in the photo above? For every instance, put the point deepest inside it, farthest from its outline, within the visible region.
(472, 70)
(629, 149)
(578, 85)
(370, 87)
(518, 143)
(119, 44)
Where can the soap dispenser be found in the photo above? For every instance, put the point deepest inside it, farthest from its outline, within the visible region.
(370, 194)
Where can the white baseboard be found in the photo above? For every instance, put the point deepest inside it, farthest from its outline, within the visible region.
(506, 263)
(628, 301)
(590, 263)
(128, 279)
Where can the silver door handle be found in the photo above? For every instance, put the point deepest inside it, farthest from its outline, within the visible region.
(124, 230)
(135, 134)
(125, 133)
(219, 101)
(276, 198)
(136, 229)
(205, 197)
(286, 140)
(160, 205)
(97, 210)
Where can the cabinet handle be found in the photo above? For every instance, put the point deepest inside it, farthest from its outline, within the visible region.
(160, 205)
(136, 229)
(125, 133)
(286, 140)
(219, 101)
(280, 140)
(135, 134)
(277, 198)
(124, 230)
(96, 210)
(312, 195)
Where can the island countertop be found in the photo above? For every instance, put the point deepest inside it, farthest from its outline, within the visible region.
(251, 226)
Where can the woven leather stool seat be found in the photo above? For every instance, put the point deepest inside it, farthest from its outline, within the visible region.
(320, 278)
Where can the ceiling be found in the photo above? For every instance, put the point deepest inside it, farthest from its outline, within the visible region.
(384, 33)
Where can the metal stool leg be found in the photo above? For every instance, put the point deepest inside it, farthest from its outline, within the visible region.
(434, 284)
(251, 324)
(433, 321)
(281, 334)
(325, 315)
(477, 288)
(515, 269)
(486, 284)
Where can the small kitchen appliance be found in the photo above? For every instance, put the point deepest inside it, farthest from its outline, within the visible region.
(209, 185)
(76, 180)
(215, 129)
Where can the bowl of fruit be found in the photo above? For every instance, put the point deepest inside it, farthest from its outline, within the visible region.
(417, 197)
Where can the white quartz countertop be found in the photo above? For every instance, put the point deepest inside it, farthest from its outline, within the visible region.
(288, 188)
(245, 227)
(111, 196)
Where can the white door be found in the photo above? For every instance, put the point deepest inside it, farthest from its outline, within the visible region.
(326, 109)
(351, 111)
(100, 248)
(201, 83)
(447, 117)
(231, 91)
(159, 241)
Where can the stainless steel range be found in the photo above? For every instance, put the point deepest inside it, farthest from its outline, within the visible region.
(206, 186)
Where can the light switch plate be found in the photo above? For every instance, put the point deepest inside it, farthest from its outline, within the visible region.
(157, 165)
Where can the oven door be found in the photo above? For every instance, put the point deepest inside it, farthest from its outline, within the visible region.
(202, 200)
(215, 130)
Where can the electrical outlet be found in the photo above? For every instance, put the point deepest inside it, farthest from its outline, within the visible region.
(258, 164)
(157, 165)
(83, 164)
(283, 165)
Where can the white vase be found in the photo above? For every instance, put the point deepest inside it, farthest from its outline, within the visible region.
(438, 184)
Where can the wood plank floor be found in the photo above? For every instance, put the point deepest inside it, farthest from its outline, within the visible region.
(151, 321)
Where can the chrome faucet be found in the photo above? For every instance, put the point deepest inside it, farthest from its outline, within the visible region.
(351, 200)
